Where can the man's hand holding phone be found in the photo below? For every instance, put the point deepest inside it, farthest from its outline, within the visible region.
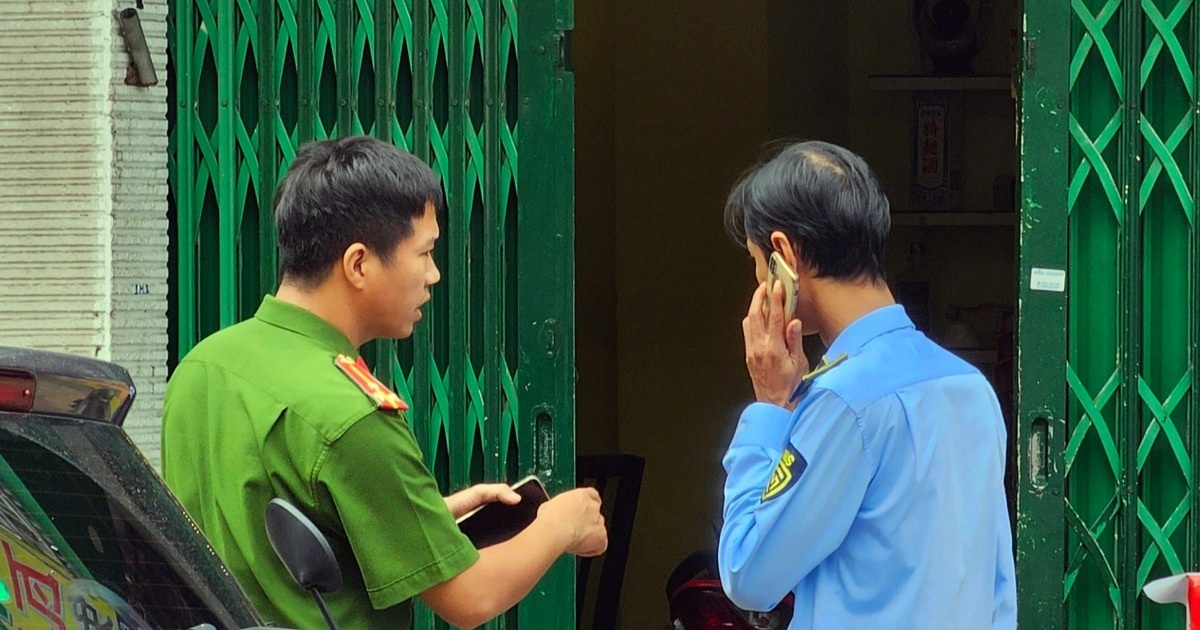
(577, 512)
(460, 503)
(774, 347)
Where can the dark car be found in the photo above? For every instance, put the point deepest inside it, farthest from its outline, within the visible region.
(90, 537)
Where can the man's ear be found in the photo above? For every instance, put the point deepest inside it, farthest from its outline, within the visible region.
(353, 265)
(786, 248)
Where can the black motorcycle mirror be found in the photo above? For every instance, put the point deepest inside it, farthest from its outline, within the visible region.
(305, 552)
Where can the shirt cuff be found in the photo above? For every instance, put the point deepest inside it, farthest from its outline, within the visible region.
(763, 425)
(424, 578)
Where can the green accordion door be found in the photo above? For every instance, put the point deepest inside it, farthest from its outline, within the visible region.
(481, 90)
(1109, 413)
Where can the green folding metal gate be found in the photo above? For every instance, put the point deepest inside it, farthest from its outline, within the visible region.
(1109, 412)
(480, 90)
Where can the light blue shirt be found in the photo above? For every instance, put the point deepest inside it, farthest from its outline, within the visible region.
(880, 501)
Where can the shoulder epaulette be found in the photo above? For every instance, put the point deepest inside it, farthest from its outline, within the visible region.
(807, 380)
(358, 372)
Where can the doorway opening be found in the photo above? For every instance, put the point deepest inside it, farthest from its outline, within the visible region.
(673, 100)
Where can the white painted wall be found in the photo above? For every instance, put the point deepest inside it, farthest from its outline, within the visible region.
(56, 175)
(140, 229)
(83, 192)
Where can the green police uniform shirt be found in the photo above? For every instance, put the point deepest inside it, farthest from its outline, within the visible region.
(262, 409)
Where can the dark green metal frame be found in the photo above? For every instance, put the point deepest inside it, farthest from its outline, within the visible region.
(1041, 317)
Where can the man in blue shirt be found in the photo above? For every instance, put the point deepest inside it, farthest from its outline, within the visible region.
(871, 487)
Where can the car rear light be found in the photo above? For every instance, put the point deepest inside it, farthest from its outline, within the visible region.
(16, 391)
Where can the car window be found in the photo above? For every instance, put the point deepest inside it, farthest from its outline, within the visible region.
(90, 538)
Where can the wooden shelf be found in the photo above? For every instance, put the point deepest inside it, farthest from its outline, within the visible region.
(1000, 82)
(929, 219)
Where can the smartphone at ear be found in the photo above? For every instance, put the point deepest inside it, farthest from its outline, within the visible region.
(778, 271)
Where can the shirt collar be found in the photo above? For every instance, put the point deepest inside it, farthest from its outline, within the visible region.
(301, 321)
(874, 324)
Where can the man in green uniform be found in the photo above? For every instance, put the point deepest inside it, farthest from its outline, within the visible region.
(281, 405)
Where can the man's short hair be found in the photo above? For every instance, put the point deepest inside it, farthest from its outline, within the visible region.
(825, 199)
(351, 190)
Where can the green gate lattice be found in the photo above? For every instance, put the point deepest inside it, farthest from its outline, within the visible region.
(1133, 422)
(253, 80)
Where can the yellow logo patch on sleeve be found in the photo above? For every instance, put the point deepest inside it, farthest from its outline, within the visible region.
(358, 372)
(791, 466)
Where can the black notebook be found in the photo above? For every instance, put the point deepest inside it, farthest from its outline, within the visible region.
(497, 522)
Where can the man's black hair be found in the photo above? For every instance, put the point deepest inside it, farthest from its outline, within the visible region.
(825, 199)
(345, 191)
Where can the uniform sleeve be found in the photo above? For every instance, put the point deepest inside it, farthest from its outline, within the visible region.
(789, 500)
(397, 523)
(1004, 617)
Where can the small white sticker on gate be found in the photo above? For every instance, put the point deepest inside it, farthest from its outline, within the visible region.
(1048, 280)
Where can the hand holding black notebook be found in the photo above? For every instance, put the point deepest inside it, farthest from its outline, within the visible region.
(496, 522)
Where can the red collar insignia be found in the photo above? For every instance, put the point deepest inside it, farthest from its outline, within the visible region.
(361, 375)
